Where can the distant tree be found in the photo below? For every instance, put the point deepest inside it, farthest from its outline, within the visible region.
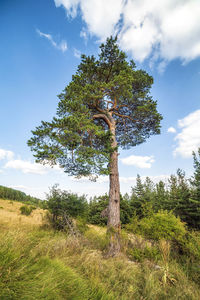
(12, 194)
(126, 212)
(107, 105)
(161, 197)
(194, 207)
(97, 205)
(181, 208)
(173, 192)
(98, 210)
(142, 197)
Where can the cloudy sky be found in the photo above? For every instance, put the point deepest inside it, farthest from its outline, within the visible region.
(41, 43)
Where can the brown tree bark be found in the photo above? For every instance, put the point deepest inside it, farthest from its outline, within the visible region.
(114, 226)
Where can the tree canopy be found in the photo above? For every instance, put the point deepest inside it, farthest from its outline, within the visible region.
(103, 89)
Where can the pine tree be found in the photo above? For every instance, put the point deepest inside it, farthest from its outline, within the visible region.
(161, 199)
(106, 106)
(142, 197)
(194, 208)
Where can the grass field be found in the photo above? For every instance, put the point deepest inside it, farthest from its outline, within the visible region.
(39, 263)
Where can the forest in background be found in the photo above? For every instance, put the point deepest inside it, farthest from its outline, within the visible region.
(160, 243)
(178, 195)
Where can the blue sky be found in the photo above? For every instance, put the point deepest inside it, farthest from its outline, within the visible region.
(40, 48)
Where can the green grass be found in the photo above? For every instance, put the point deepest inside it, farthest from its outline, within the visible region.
(27, 273)
(38, 263)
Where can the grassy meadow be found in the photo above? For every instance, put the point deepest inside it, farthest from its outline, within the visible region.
(37, 262)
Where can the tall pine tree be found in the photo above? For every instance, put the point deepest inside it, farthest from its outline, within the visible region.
(106, 106)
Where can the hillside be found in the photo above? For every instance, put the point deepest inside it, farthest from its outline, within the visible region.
(10, 215)
(39, 263)
(16, 195)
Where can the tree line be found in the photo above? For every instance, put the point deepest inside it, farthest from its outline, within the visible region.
(15, 195)
(179, 195)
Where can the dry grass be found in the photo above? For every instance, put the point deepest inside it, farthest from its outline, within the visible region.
(41, 259)
(10, 215)
(98, 229)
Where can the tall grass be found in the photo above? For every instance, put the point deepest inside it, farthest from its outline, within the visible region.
(38, 263)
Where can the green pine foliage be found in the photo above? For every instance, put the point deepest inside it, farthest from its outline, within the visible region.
(105, 90)
(194, 207)
(179, 195)
(97, 205)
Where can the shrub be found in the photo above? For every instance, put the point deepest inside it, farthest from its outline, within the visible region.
(133, 225)
(59, 201)
(64, 206)
(26, 210)
(190, 246)
(162, 225)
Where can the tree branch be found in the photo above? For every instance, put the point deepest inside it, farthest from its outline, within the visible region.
(123, 116)
(127, 117)
(104, 117)
(118, 107)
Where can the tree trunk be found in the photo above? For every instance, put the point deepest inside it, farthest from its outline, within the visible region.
(114, 225)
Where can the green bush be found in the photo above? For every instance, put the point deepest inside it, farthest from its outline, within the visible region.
(133, 225)
(157, 226)
(189, 246)
(26, 210)
(64, 206)
(162, 225)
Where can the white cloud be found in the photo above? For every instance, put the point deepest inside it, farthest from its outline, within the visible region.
(171, 130)
(138, 161)
(155, 179)
(33, 191)
(70, 6)
(29, 167)
(77, 53)
(165, 30)
(60, 46)
(5, 154)
(18, 187)
(84, 35)
(189, 138)
(101, 17)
